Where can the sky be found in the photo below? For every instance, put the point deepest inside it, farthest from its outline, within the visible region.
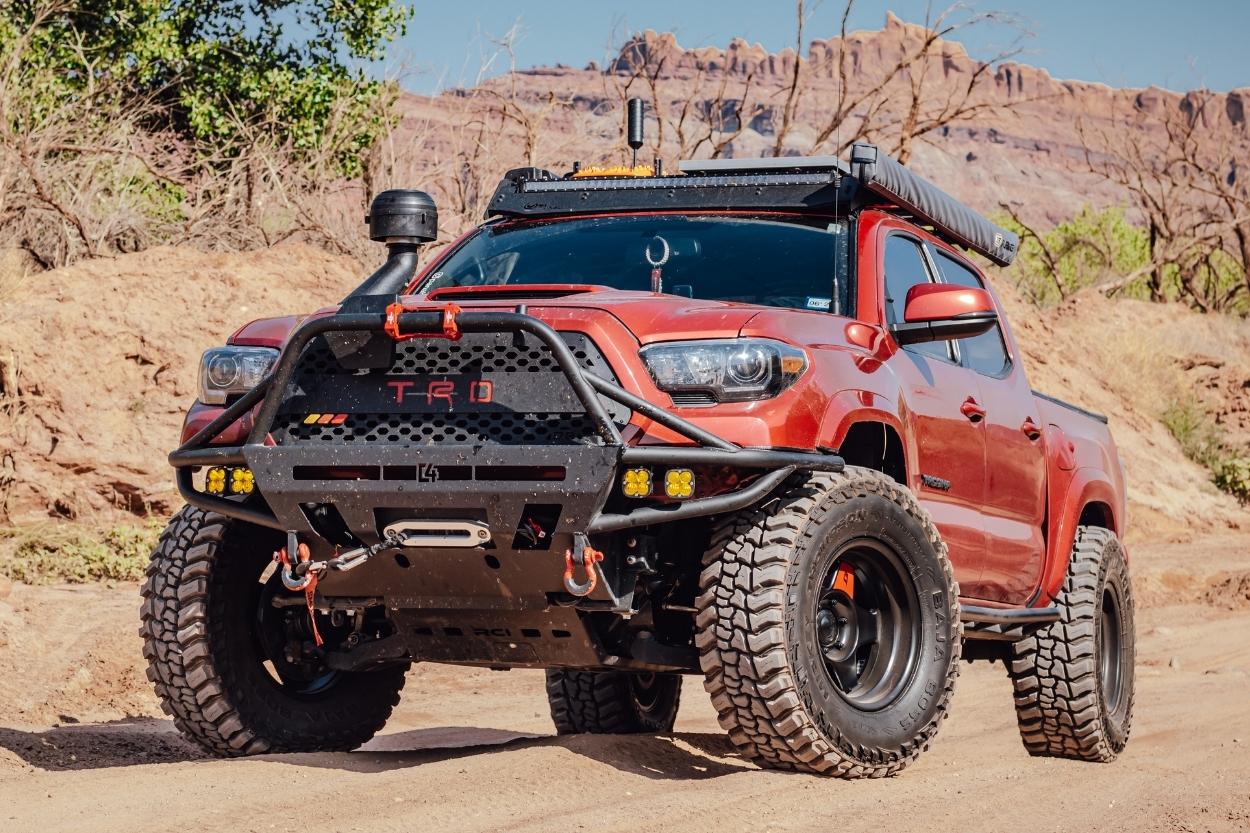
(1177, 45)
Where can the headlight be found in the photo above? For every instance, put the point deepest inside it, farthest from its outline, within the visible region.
(725, 370)
(229, 371)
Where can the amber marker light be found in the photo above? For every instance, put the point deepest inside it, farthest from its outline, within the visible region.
(215, 481)
(679, 483)
(636, 483)
(242, 481)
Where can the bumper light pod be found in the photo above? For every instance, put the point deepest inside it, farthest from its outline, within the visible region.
(215, 481)
(221, 480)
(679, 483)
(242, 481)
(636, 483)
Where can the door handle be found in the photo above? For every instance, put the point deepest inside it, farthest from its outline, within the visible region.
(972, 410)
(1030, 429)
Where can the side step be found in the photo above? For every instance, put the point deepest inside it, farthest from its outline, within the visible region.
(1008, 615)
(1004, 624)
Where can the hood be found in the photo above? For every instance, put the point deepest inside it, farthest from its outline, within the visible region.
(647, 315)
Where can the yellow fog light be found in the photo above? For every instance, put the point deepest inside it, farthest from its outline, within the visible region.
(679, 483)
(241, 481)
(215, 481)
(636, 483)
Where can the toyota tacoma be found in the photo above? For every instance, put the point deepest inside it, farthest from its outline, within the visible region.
(757, 420)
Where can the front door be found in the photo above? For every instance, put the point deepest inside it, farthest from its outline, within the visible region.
(943, 401)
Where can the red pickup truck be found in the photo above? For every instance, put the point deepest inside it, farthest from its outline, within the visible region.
(759, 420)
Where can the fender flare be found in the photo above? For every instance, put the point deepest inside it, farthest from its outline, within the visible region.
(1089, 485)
(849, 407)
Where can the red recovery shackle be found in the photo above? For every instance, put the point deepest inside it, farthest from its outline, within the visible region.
(586, 559)
(450, 331)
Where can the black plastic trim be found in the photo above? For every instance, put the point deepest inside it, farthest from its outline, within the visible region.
(1091, 414)
(1008, 615)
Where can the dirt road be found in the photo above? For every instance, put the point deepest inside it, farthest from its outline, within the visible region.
(81, 748)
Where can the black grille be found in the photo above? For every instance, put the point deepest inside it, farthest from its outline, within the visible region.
(494, 353)
(693, 398)
(427, 429)
(487, 355)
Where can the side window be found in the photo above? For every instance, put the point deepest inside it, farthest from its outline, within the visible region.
(904, 268)
(986, 353)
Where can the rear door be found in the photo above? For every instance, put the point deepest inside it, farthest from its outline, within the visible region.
(1014, 497)
(948, 475)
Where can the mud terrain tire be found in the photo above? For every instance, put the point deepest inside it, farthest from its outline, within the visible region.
(612, 702)
(764, 636)
(1074, 679)
(200, 604)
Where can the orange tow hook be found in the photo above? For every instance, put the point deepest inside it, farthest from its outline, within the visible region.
(586, 559)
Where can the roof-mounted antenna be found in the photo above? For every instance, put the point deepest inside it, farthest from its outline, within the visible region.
(633, 131)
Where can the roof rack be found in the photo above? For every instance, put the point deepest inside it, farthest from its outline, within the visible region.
(820, 184)
(955, 222)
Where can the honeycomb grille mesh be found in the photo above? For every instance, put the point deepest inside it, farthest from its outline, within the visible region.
(474, 353)
(424, 356)
(428, 429)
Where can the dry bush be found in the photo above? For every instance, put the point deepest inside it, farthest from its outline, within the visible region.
(75, 181)
(88, 175)
(1181, 168)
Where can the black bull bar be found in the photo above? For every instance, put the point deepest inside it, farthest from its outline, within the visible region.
(708, 449)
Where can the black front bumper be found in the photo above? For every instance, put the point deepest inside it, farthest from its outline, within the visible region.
(501, 603)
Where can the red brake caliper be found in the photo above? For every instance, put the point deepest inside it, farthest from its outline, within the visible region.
(844, 580)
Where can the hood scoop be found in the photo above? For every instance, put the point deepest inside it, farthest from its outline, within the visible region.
(513, 292)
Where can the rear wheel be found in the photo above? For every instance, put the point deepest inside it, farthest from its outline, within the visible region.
(219, 652)
(1074, 679)
(828, 627)
(612, 702)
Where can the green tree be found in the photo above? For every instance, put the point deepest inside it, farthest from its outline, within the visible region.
(223, 70)
(1095, 247)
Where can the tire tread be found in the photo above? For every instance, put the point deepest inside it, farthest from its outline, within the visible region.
(178, 619)
(741, 634)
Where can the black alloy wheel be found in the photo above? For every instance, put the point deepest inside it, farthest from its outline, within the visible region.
(866, 624)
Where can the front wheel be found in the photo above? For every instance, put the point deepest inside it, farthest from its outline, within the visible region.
(220, 651)
(828, 627)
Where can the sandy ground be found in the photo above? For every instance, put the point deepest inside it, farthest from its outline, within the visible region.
(82, 746)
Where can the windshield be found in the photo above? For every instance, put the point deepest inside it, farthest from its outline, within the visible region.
(799, 264)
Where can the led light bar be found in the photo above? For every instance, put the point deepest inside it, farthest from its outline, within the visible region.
(816, 184)
(642, 183)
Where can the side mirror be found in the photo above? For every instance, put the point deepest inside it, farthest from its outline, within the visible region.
(940, 311)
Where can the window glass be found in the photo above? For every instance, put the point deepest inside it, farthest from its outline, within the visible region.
(986, 353)
(904, 268)
(797, 264)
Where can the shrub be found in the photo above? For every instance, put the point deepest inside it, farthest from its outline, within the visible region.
(1202, 441)
(1233, 476)
(45, 554)
(1091, 248)
(1199, 437)
(130, 123)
